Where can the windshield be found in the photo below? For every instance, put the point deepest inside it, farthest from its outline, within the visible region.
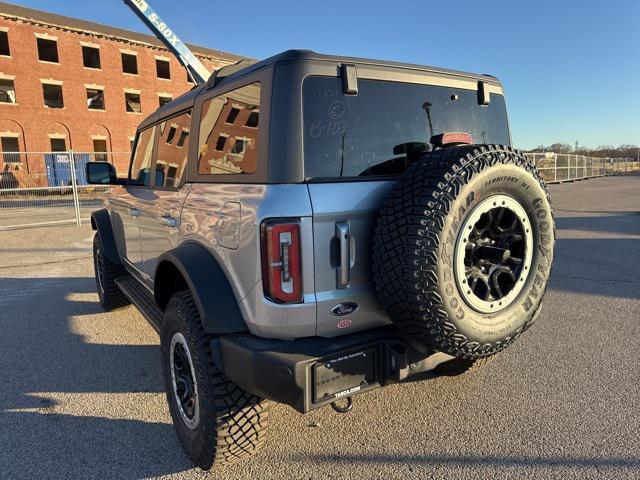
(387, 124)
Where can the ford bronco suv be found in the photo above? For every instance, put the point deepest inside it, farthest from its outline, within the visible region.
(310, 227)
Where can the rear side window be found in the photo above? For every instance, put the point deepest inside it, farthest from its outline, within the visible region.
(229, 126)
(172, 150)
(370, 133)
(141, 163)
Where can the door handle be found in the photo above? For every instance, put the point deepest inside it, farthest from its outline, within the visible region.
(343, 272)
(134, 212)
(169, 221)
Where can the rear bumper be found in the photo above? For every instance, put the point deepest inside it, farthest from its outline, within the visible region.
(309, 373)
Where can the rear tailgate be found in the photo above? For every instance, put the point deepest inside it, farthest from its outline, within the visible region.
(346, 300)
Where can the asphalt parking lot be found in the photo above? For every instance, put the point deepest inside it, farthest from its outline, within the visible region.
(81, 393)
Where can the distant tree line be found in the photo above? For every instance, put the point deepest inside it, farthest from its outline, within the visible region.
(623, 151)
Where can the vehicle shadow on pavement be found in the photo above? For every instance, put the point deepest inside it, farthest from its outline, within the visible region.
(69, 406)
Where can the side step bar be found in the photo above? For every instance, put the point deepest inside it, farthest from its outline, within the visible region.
(142, 299)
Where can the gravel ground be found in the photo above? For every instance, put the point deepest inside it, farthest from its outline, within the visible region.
(82, 394)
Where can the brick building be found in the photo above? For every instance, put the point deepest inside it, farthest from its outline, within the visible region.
(70, 84)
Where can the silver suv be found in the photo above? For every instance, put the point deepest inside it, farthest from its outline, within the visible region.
(310, 227)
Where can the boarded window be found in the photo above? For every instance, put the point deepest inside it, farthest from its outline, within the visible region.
(47, 50)
(91, 57)
(52, 96)
(95, 99)
(163, 69)
(217, 123)
(4, 44)
(100, 149)
(129, 64)
(7, 91)
(132, 102)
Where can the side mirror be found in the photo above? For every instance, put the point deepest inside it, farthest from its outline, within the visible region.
(101, 173)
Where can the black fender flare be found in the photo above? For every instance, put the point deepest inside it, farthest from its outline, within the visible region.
(101, 222)
(214, 298)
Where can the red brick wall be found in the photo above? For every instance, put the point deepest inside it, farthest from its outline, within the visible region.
(34, 121)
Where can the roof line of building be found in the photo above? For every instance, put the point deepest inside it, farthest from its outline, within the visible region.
(39, 17)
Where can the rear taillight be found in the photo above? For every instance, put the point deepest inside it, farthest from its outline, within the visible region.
(281, 262)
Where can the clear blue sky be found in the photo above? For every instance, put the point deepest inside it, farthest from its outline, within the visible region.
(571, 69)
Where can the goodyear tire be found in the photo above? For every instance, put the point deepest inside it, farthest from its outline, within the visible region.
(463, 249)
(216, 421)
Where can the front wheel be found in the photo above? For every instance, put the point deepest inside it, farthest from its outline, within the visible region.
(216, 421)
(106, 273)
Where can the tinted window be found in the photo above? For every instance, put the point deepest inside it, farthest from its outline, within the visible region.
(172, 150)
(226, 116)
(379, 130)
(141, 164)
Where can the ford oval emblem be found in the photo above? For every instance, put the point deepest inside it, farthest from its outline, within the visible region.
(346, 308)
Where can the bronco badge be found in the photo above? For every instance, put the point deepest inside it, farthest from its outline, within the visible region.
(342, 309)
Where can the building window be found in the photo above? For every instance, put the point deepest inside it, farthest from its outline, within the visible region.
(220, 143)
(163, 100)
(189, 79)
(100, 149)
(129, 64)
(10, 149)
(252, 120)
(132, 102)
(95, 99)
(170, 135)
(163, 69)
(47, 50)
(239, 147)
(4, 44)
(7, 91)
(183, 138)
(58, 145)
(233, 114)
(52, 95)
(91, 57)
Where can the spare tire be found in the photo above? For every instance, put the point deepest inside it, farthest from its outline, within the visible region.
(463, 249)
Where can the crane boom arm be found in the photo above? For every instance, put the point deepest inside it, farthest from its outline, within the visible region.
(197, 71)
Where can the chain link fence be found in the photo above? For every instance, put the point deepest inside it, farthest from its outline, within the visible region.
(49, 188)
(564, 167)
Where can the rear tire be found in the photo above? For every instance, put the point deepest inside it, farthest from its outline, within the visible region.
(216, 421)
(106, 272)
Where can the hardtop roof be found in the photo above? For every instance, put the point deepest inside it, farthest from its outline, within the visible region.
(186, 99)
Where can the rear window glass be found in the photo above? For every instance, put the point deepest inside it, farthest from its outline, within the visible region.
(379, 130)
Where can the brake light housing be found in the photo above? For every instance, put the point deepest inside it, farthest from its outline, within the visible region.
(281, 260)
(451, 139)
